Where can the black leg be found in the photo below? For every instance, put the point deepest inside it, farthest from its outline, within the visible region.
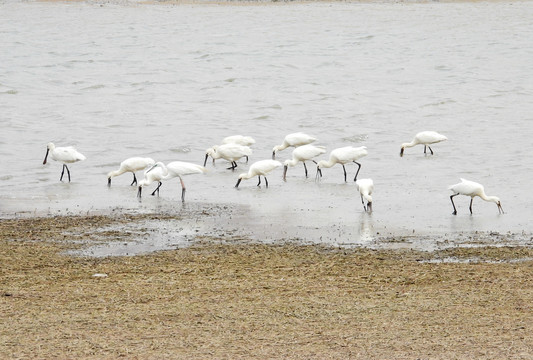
(454, 209)
(68, 172)
(471, 201)
(134, 180)
(259, 177)
(430, 149)
(424, 149)
(266, 181)
(157, 189)
(357, 173)
(139, 192)
(305, 168)
(246, 158)
(363, 201)
(344, 169)
(62, 172)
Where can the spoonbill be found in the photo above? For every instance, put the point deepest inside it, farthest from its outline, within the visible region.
(131, 165)
(230, 152)
(295, 140)
(65, 155)
(343, 156)
(472, 189)
(365, 188)
(151, 175)
(259, 168)
(425, 138)
(172, 170)
(239, 140)
(303, 153)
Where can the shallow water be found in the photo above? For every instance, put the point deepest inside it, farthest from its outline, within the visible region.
(128, 79)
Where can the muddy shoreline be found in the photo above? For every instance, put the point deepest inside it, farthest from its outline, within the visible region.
(233, 297)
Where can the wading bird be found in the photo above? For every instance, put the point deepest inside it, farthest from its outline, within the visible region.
(294, 140)
(303, 153)
(472, 189)
(365, 188)
(259, 168)
(239, 140)
(172, 170)
(230, 152)
(343, 156)
(424, 138)
(65, 155)
(131, 165)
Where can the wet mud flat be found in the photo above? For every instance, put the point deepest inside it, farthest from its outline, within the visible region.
(237, 298)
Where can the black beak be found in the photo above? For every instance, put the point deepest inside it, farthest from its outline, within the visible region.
(273, 155)
(205, 161)
(401, 152)
(109, 181)
(500, 208)
(46, 156)
(139, 192)
(238, 182)
(285, 173)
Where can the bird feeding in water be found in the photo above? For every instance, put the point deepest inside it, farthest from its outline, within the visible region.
(294, 140)
(239, 140)
(343, 156)
(303, 153)
(365, 188)
(65, 155)
(424, 138)
(259, 168)
(131, 165)
(229, 152)
(171, 170)
(472, 189)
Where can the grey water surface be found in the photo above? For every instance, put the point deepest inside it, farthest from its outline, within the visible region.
(122, 79)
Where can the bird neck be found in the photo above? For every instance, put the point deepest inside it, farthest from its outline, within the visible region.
(291, 162)
(409, 144)
(486, 197)
(325, 163)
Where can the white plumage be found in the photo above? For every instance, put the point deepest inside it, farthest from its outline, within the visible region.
(343, 156)
(303, 153)
(424, 138)
(294, 140)
(365, 188)
(259, 168)
(239, 140)
(171, 170)
(131, 165)
(230, 152)
(472, 189)
(65, 155)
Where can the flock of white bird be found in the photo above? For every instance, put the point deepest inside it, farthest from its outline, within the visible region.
(234, 148)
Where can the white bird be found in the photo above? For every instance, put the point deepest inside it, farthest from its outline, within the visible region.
(424, 138)
(303, 153)
(343, 156)
(230, 152)
(295, 140)
(365, 188)
(172, 170)
(65, 155)
(131, 165)
(151, 175)
(259, 168)
(239, 140)
(472, 189)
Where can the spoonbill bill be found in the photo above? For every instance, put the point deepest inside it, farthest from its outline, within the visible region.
(259, 168)
(343, 156)
(172, 170)
(365, 188)
(424, 138)
(65, 155)
(303, 153)
(230, 152)
(294, 140)
(131, 165)
(472, 189)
